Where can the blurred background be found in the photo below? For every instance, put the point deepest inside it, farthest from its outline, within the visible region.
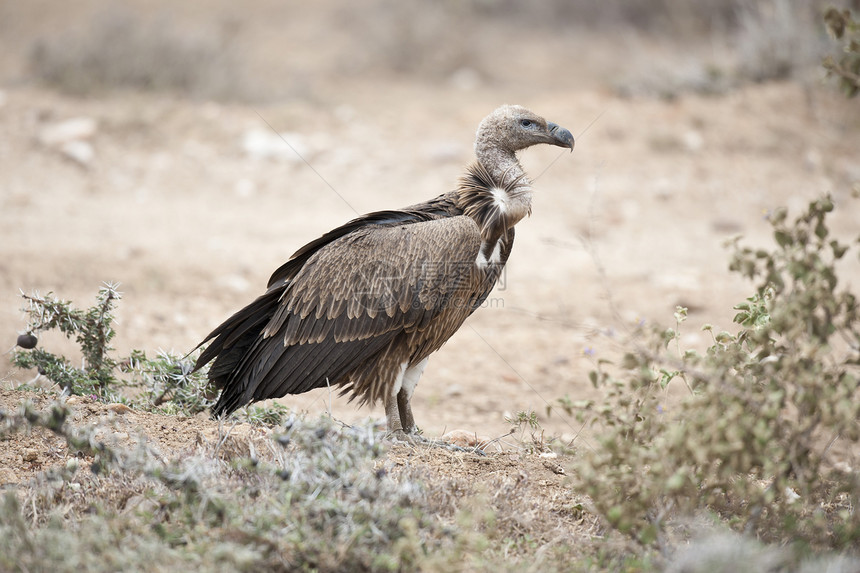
(142, 143)
(267, 50)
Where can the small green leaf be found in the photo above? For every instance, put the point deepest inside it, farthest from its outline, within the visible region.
(783, 239)
(838, 249)
(725, 337)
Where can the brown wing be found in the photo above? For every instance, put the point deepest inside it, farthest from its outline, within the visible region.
(348, 301)
(233, 338)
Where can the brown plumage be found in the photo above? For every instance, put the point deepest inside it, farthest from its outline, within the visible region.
(363, 306)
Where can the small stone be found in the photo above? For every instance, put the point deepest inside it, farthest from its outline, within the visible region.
(119, 408)
(80, 152)
(693, 141)
(260, 143)
(63, 132)
(30, 455)
(464, 438)
(553, 467)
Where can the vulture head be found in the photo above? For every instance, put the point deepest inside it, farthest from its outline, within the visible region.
(496, 192)
(513, 127)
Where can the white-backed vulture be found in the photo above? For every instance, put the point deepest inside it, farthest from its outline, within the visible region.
(364, 306)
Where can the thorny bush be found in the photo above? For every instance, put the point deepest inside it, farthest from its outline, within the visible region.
(151, 381)
(766, 410)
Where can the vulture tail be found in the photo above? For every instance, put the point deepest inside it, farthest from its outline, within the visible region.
(232, 340)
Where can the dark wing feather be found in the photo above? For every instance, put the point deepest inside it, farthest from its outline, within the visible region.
(234, 337)
(409, 215)
(377, 280)
(347, 301)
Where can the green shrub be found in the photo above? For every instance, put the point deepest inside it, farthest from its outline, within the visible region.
(842, 26)
(149, 382)
(751, 441)
(92, 329)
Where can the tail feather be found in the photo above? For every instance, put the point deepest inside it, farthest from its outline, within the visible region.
(231, 341)
(235, 332)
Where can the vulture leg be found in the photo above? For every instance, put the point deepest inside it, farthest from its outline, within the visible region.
(407, 388)
(398, 410)
(393, 421)
(407, 421)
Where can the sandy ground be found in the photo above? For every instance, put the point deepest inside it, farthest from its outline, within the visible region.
(26, 459)
(174, 207)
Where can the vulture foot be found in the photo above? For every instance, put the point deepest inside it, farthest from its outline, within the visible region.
(399, 435)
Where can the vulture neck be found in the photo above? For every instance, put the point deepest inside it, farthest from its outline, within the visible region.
(495, 192)
(502, 163)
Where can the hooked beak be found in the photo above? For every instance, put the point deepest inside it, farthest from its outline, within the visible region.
(560, 136)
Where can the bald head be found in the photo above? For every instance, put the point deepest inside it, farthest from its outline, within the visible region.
(513, 127)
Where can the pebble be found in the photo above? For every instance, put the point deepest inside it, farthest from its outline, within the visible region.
(30, 455)
(259, 143)
(80, 152)
(553, 467)
(119, 408)
(693, 141)
(464, 438)
(57, 134)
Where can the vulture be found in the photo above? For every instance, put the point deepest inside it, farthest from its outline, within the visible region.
(364, 306)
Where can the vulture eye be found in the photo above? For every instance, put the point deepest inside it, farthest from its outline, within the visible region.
(526, 122)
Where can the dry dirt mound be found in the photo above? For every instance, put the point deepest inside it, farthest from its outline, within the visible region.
(539, 477)
(25, 455)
